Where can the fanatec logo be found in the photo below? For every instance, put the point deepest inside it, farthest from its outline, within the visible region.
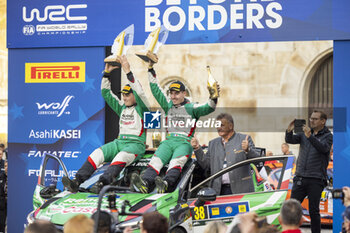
(55, 108)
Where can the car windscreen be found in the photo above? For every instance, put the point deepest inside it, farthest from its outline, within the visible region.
(263, 178)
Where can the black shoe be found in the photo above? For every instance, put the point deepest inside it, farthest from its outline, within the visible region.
(71, 185)
(161, 185)
(96, 188)
(138, 184)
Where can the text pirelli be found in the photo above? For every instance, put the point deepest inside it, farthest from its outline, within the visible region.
(55, 72)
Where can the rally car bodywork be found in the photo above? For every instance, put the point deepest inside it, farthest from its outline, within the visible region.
(326, 201)
(189, 207)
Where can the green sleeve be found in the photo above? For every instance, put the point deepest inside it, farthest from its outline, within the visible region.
(204, 109)
(111, 99)
(142, 107)
(157, 91)
(140, 96)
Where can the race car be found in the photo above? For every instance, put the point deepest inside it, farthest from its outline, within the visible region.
(189, 207)
(326, 202)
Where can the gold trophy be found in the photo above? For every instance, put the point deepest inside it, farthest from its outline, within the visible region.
(121, 44)
(156, 139)
(153, 42)
(212, 85)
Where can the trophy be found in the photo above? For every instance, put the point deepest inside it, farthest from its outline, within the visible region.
(153, 42)
(121, 44)
(212, 85)
(156, 139)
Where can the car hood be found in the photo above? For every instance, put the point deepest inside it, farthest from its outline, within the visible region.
(65, 205)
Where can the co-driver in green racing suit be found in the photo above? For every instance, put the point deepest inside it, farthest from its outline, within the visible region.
(129, 145)
(176, 149)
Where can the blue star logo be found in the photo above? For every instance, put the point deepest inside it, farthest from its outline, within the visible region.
(91, 129)
(82, 119)
(16, 111)
(89, 84)
(152, 120)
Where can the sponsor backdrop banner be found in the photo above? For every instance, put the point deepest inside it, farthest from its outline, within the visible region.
(54, 99)
(52, 23)
(341, 139)
(55, 105)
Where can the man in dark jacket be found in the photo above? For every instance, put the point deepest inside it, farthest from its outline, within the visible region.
(311, 169)
(229, 148)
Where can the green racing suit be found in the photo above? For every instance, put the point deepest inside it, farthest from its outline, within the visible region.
(181, 123)
(130, 144)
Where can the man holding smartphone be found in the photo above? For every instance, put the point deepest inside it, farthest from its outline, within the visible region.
(311, 169)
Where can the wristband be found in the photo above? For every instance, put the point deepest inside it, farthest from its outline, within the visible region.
(106, 74)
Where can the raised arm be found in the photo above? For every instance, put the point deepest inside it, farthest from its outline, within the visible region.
(290, 137)
(157, 91)
(206, 108)
(111, 99)
(135, 84)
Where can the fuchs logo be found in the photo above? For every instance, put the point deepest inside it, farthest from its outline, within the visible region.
(152, 120)
(54, 13)
(55, 108)
(28, 30)
(51, 173)
(58, 72)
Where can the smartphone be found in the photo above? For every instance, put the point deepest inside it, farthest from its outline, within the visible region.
(338, 194)
(298, 125)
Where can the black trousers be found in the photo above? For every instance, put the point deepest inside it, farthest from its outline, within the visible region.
(3, 214)
(311, 187)
(225, 189)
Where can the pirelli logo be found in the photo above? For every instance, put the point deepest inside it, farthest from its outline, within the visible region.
(57, 72)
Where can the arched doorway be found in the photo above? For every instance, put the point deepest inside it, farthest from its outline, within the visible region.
(320, 94)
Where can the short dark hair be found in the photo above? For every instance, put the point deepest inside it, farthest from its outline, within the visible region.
(291, 212)
(155, 222)
(104, 223)
(41, 226)
(322, 114)
(226, 116)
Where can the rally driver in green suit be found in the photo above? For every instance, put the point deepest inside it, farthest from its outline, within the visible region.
(176, 149)
(130, 144)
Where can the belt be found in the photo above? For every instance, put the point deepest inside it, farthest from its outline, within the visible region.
(179, 136)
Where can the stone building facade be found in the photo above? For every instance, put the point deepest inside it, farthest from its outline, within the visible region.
(3, 73)
(263, 85)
